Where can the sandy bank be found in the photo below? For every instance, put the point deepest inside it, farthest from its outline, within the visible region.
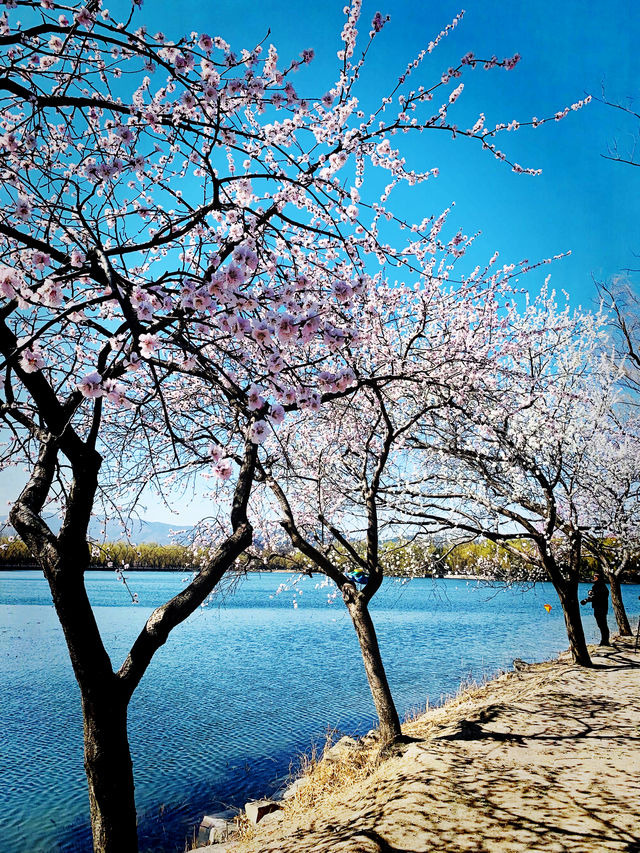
(545, 759)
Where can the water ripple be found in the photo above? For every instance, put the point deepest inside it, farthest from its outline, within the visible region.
(234, 694)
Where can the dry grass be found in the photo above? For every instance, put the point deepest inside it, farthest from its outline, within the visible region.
(323, 781)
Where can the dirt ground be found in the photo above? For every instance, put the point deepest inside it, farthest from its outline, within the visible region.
(544, 759)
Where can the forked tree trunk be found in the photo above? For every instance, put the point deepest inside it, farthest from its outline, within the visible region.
(107, 762)
(64, 560)
(376, 676)
(107, 758)
(573, 621)
(622, 621)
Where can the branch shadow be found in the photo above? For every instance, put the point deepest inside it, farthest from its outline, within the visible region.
(539, 765)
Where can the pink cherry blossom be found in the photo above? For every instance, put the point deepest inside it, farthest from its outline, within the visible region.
(115, 392)
(255, 400)
(235, 276)
(84, 18)
(51, 293)
(223, 469)
(40, 260)
(286, 329)
(77, 258)
(148, 345)
(91, 385)
(342, 291)
(258, 432)
(31, 359)
(10, 282)
(262, 333)
(23, 209)
(277, 414)
(275, 363)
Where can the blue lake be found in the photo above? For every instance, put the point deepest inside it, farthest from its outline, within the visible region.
(238, 691)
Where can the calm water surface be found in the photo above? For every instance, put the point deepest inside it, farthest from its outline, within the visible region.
(238, 690)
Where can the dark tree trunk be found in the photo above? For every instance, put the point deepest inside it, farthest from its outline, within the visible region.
(64, 560)
(376, 676)
(107, 762)
(107, 759)
(568, 594)
(624, 628)
(573, 621)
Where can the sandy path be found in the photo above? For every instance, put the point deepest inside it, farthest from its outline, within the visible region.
(542, 760)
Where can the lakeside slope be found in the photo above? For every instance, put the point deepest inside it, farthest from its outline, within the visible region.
(544, 759)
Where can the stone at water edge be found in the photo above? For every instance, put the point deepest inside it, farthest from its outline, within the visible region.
(214, 828)
(344, 745)
(256, 810)
(271, 818)
(293, 788)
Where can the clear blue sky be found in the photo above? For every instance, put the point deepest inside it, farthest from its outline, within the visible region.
(569, 48)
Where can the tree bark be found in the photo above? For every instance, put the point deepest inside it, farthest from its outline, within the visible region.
(572, 619)
(622, 621)
(109, 769)
(107, 759)
(376, 676)
(567, 590)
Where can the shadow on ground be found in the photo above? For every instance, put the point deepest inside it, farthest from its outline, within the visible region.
(541, 762)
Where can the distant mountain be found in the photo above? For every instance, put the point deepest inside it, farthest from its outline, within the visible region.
(141, 531)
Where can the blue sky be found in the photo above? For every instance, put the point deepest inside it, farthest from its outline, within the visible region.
(569, 48)
(581, 202)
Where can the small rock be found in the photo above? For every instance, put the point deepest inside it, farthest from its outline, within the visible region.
(272, 818)
(214, 828)
(337, 751)
(259, 808)
(293, 788)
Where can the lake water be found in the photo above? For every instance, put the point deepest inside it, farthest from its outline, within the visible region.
(238, 691)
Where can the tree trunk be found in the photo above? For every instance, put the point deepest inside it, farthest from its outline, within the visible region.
(624, 628)
(109, 769)
(573, 621)
(107, 759)
(382, 699)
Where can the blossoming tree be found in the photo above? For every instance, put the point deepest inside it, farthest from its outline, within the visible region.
(612, 490)
(510, 460)
(336, 476)
(178, 222)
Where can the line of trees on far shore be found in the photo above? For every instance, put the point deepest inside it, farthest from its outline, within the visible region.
(400, 559)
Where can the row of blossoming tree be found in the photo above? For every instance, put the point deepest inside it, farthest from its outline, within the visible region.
(193, 284)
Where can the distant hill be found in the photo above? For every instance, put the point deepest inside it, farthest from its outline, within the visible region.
(141, 531)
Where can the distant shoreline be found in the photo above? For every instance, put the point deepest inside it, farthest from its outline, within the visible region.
(188, 569)
(181, 569)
